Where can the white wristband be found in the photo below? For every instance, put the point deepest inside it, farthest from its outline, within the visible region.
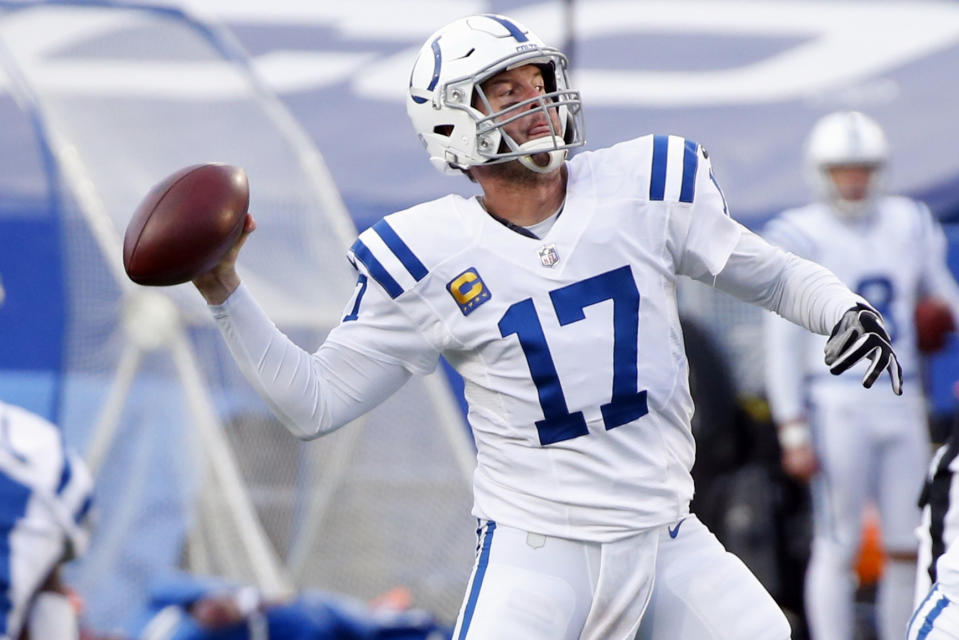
(52, 616)
(247, 600)
(793, 435)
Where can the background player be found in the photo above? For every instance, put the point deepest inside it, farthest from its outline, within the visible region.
(46, 493)
(937, 615)
(856, 446)
(186, 607)
(553, 294)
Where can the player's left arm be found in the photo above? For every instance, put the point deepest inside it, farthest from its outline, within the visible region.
(720, 252)
(810, 295)
(717, 250)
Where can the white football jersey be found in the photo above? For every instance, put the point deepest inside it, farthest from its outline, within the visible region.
(570, 345)
(890, 258)
(46, 497)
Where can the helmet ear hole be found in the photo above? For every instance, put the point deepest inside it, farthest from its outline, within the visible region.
(445, 130)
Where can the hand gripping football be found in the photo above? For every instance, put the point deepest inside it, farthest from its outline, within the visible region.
(186, 224)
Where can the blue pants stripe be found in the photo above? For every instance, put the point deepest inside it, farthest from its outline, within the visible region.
(931, 618)
(477, 579)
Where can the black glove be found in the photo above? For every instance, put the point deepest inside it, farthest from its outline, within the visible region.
(860, 333)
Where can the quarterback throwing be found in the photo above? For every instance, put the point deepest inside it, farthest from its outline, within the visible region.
(554, 295)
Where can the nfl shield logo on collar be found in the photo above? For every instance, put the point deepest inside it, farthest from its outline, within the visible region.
(548, 255)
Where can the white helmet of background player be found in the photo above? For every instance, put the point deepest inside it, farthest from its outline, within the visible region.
(840, 140)
(445, 86)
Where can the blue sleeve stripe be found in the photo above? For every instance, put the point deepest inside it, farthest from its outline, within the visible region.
(65, 474)
(932, 592)
(657, 179)
(481, 564)
(381, 275)
(690, 162)
(928, 623)
(400, 250)
(84, 509)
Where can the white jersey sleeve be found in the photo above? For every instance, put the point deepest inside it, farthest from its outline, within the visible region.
(799, 290)
(364, 359)
(314, 394)
(375, 322)
(715, 249)
(783, 341)
(802, 292)
(707, 234)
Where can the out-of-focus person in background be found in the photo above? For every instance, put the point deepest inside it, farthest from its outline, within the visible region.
(187, 607)
(45, 497)
(851, 448)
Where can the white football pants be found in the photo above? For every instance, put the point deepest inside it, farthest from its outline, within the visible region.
(52, 616)
(867, 452)
(936, 618)
(532, 587)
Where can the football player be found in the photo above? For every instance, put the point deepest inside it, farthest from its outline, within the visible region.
(934, 618)
(554, 295)
(46, 497)
(855, 446)
(185, 607)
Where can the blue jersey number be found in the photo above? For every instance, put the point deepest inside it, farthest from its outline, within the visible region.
(627, 402)
(361, 283)
(880, 293)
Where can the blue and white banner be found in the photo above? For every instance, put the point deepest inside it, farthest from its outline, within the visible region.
(745, 79)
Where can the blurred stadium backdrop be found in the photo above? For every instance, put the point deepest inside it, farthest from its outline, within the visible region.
(101, 99)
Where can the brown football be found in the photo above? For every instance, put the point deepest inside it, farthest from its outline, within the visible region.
(934, 321)
(186, 224)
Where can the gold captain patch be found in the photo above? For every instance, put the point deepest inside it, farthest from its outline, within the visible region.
(468, 290)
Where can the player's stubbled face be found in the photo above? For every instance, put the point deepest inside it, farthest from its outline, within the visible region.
(513, 86)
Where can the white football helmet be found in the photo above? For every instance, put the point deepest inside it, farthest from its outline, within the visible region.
(445, 84)
(843, 139)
